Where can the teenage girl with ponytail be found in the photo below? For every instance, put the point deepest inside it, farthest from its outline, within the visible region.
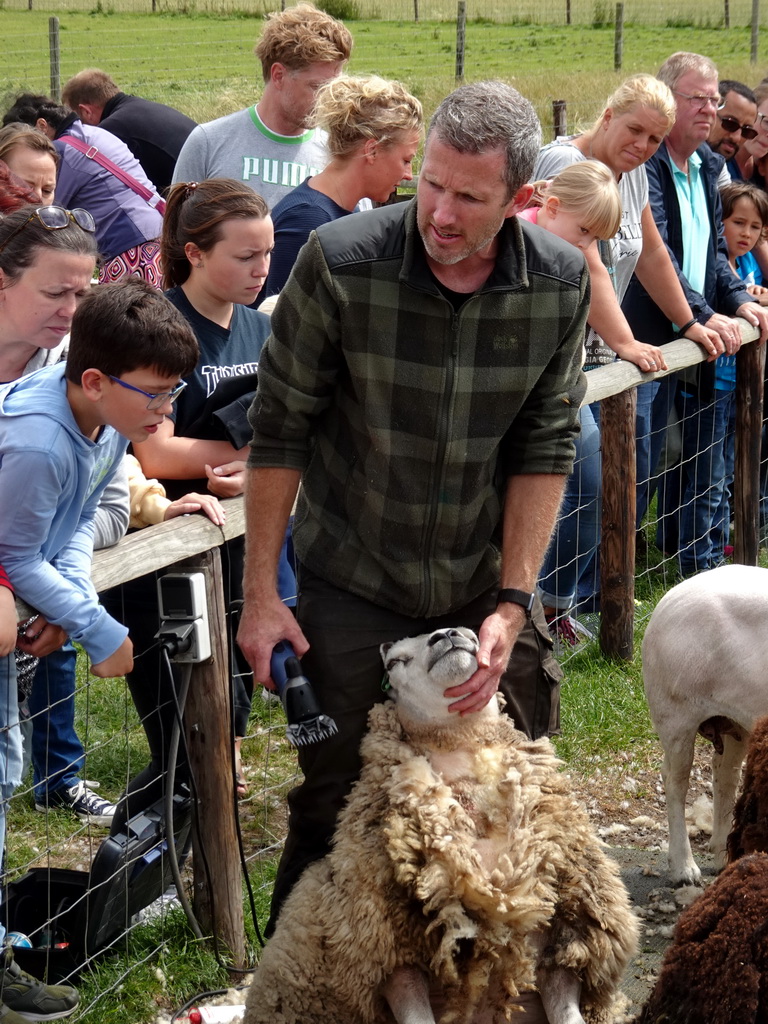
(216, 244)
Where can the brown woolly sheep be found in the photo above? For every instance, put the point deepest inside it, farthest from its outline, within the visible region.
(716, 970)
(463, 874)
(749, 833)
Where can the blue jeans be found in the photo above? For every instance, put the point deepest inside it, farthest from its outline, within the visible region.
(655, 401)
(705, 511)
(10, 745)
(569, 574)
(57, 753)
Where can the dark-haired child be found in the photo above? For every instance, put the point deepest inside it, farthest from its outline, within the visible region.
(745, 223)
(707, 419)
(63, 432)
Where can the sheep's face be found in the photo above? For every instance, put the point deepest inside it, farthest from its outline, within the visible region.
(421, 668)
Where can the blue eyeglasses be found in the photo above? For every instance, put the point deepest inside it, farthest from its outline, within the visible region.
(155, 401)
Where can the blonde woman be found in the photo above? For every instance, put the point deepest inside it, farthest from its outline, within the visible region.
(630, 129)
(374, 130)
(632, 126)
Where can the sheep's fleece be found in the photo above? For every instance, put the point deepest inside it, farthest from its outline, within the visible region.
(453, 879)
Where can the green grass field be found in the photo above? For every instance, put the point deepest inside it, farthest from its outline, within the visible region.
(204, 65)
(710, 13)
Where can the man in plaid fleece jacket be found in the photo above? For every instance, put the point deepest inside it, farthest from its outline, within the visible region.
(422, 382)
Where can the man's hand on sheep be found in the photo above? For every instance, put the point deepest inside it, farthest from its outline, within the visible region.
(497, 636)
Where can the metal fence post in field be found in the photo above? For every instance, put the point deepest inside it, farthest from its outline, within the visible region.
(461, 28)
(618, 38)
(54, 49)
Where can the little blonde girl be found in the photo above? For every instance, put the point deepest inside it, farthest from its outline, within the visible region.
(582, 206)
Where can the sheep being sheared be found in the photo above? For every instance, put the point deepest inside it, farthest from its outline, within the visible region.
(463, 874)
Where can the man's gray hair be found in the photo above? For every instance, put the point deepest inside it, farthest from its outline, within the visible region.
(482, 116)
(680, 63)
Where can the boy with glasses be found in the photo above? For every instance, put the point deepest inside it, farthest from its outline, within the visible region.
(60, 445)
(63, 433)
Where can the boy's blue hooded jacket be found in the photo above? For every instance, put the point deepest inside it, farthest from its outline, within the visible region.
(51, 477)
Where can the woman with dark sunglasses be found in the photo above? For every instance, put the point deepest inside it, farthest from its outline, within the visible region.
(128, 225)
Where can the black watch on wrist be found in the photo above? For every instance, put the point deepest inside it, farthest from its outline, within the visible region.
(508, 595)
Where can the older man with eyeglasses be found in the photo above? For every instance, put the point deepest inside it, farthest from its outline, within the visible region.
(683, 187)
(734, 125)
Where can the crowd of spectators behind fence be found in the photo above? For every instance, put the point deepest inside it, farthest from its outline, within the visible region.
(316, 147)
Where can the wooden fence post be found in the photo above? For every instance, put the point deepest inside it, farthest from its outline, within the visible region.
(755, 39)
(750, 373)
(559, 118)
(618, 38)
(755, 34)
(54, 52)
(617, 546)
(461, 28)
(218, 900)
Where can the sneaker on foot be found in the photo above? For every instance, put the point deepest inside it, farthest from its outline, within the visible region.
(7, 1016)
(24, 998)
(566, 631)
(83, 802)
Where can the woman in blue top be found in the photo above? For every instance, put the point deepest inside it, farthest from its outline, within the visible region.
(374, 130)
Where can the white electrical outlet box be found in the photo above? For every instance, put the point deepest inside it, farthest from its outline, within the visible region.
(182, 596)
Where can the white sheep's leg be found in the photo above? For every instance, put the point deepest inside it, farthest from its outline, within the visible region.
(726, 772)
(407, 993)
(559, 991)
(676, 771)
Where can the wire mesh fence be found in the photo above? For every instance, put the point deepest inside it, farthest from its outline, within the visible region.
(99, 908)
(96, 902)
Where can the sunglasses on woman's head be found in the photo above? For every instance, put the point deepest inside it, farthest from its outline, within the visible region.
(732, 125)
(54, 218)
